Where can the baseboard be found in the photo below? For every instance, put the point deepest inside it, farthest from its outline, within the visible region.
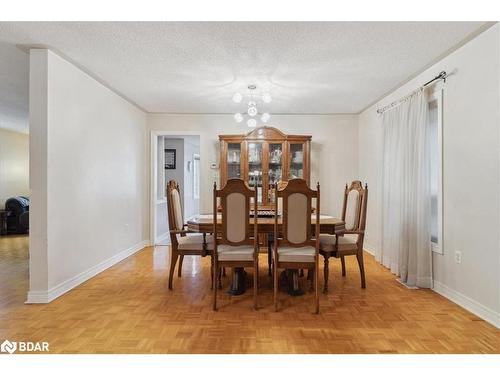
(161, 238)
(66, 286)
(467, 303)
(369, 249)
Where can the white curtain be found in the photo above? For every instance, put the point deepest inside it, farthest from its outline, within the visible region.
(406, 238)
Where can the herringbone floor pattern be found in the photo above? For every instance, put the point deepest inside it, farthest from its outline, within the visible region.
(128, 309)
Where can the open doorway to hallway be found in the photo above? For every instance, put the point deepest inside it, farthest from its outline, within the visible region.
(178, 158)
(14, 174)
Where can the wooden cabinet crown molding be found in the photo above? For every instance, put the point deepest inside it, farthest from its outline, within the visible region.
(267, 133)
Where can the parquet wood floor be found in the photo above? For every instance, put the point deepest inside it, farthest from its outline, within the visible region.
(128, 309)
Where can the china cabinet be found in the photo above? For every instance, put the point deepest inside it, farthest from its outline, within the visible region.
(264, 157)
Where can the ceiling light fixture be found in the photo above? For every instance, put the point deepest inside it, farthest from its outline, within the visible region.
(237, 97)
(238, 117)
(252, 109)
(252, 123)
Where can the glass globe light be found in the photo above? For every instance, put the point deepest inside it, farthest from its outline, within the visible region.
(265, 117)
(238, 117)
(252, 123)
(266, 97)
(237, 97)
(252, 111)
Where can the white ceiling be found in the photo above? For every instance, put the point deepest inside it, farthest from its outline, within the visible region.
(195, 67)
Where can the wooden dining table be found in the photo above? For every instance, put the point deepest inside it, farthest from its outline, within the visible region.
(327, 224)
(265, 225)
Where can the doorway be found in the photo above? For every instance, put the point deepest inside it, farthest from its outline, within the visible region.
(177, 157)
(14, 174)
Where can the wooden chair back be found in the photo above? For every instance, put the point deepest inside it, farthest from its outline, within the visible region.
(174, 211)
(296, 216)
(354, 208)
(235, 199)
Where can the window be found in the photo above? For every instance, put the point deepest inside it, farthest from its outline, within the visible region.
(196, 176)
(436, 151)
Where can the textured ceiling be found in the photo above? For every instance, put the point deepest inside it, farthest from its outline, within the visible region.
(195, 67)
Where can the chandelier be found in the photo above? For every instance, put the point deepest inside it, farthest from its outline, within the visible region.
(252, 112)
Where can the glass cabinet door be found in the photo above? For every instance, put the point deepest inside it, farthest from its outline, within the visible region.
(255, 167)
(275, 163)
(296, 158)
(233, 160)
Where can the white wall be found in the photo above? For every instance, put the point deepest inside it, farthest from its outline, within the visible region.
(470, 172)
(334, 154)
(89, 177)
(14, 165)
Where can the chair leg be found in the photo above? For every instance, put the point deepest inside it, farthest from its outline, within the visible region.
(179, 269)
(359, 257)
(311, 273)
(316, 288)
(255, 283)
(216, 272)
(219, 277)
(275, 285)
(269, 259)
(342, 260)
(211, 272)
(326, 272)
(224, 271)
(173, 261)
(301, 272)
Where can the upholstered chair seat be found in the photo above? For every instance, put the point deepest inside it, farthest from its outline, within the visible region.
(296, 254)
(195, 241)
(235, 253)
(345, 242)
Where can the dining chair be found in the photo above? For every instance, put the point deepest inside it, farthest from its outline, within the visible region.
(182, 242)
(235, 245)
(351, 243)
(297, 246)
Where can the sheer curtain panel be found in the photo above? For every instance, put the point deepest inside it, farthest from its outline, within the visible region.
(406, 238)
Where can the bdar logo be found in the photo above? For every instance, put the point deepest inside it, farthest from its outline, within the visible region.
(8, 347)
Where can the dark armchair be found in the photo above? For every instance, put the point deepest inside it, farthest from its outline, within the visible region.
(18, 218)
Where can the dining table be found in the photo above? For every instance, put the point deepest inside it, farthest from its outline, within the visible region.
(204, 223)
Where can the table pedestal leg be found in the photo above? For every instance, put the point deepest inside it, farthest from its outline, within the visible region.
(291, 279)
(238, 283)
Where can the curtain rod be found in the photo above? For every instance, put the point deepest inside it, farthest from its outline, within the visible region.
(442, 75)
